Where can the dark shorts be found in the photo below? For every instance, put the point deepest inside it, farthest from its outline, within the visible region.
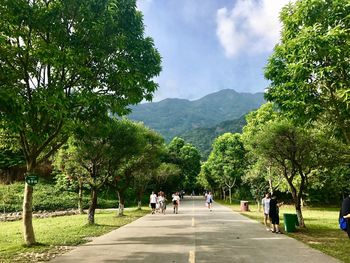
(275, 219)
(174, 202)
(153, 205)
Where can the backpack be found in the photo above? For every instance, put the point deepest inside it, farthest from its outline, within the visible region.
(343, 223)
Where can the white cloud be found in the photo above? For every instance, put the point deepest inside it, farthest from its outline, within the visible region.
(251, 26)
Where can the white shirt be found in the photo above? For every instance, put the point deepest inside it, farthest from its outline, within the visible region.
(161, 199)
(153, 198)
(176, 198)
(266, 205)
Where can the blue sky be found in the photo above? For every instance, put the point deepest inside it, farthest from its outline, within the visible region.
(209, 45)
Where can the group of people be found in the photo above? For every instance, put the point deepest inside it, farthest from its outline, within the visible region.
(271, 213)
(158, 202)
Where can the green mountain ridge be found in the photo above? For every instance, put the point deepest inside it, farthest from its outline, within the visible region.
(203, 138)
(175, 117)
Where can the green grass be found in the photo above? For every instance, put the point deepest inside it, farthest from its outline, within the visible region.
(322, 231)
(59, 231)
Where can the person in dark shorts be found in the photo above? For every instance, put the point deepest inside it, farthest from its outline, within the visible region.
(345, 212)
(153, 202)
(274, 215)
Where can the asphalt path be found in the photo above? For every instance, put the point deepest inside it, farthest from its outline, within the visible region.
(195, 234)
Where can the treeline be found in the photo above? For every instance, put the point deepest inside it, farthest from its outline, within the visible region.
(298, 142)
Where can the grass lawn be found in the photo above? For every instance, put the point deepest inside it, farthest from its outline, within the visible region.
(322, 231)
(58, 231)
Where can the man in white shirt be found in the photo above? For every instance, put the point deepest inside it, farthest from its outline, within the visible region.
(153, 202)
(266, 208)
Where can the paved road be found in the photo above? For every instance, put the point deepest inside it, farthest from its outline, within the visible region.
(194, 235)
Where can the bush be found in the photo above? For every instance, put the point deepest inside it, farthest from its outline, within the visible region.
(48, 197)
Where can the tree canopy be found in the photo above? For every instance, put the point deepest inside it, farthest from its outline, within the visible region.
(309, 68)
(66, 60)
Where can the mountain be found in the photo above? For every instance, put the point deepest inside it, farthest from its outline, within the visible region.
(203, 138)
(174, 117)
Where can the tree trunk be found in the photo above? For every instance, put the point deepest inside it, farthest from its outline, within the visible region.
(223, 193)
(121, 203)
(92, 207)
(258, 203)
(297, 204)
(299, 215)
(229, 192)
(139, 203)
(28, 230)
(80, 199)
(29, 237)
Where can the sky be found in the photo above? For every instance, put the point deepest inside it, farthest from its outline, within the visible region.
(209, 45)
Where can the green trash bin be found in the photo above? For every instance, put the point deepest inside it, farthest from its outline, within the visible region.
(290, 220)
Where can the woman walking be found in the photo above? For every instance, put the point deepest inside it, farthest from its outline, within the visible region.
(209, 200)
(176, 201)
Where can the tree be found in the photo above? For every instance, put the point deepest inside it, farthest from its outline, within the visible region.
(55, 68)
(72, 173)
(226, 163)
(187, 157)
(167, 177)
(309, 69)
(148, 160)
(88, 153)
(138, 164)
(191, 165)
(296, 152)
(260, 169)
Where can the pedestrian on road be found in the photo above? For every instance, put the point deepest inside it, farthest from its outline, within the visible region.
(265, 202)
(162, 202)
(176, 202)
(345, 213)
(153, 201)
(274, 215)
(209, 201)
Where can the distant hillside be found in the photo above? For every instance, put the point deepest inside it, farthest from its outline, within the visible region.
(203, 138)
(174, 117)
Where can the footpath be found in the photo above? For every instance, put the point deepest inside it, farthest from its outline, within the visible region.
(194, 235)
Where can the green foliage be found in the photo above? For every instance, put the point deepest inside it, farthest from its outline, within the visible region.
(226, 164)
(309, 69)
(176, 117)
(187, 157)
(167, 178)
(203, 138)
(49, 197)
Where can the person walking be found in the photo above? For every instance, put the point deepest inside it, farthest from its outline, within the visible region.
(209, 200)
(162, 202)
(153, 201)
(176, 201)
(345, 213)
(265, 202)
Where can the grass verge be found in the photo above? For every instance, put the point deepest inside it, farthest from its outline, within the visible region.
(58, 231)
(322, 231)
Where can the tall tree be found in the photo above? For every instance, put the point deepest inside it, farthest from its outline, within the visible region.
(227, 162)
(66, 60)
(309, 69)
(142, 158)
(296, 152)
